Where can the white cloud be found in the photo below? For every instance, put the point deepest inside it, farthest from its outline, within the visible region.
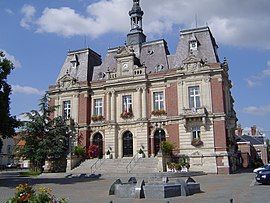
(238, 23)
(26, 90)
(9, 12)
(257, 79)
(16, 62)
(28, 12)
(257, 111)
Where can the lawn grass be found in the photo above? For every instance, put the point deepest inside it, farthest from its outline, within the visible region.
(29, 173)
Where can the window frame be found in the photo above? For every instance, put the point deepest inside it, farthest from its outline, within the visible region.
(98, 107)
(196, 132)
(159, 103)
(66, 109)
(127, 105)
(193, 96)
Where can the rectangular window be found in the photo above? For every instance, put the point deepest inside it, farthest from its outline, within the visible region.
(98, 106)
(194, 97)
(158, 99)
(196, 133)
(127, 103)
(66, 109)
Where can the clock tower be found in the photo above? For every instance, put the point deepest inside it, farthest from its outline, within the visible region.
(136, 35)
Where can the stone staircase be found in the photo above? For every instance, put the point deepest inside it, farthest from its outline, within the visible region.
(118, 166)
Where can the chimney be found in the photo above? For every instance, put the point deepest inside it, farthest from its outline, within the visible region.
(239, 130)
(253, 130)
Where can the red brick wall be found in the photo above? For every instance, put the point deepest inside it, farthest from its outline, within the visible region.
(220, 135)
(173, 131)
(83, 109)
(217, 96)
(171, 100)
(84, 138)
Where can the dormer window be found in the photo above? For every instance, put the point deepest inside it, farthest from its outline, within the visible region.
(74, 61)
(193, 45)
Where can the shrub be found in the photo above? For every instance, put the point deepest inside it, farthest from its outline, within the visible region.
(167, 147)
(25, 193)
(93, 151)
(79, 151)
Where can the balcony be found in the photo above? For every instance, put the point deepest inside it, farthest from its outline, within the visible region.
(195, 114)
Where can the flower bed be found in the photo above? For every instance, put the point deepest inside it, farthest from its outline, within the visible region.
(196, 142)
(126, 115)
(161, 112)
(97, 118)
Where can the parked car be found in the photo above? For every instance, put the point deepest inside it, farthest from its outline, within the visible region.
(265, 167)
(263, 177)
(12, 165)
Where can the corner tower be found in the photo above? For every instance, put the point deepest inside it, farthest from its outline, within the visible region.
(136, 35)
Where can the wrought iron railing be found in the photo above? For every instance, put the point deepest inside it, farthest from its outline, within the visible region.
(133, 161)
(95, 165)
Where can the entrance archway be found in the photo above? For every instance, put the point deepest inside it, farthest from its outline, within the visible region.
(127, 144)
(98, 140)
(159, 136)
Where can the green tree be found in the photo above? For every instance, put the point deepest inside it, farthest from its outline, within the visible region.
(7, 122)
(45, 137)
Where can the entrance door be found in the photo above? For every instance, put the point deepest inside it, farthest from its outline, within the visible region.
(159, 136)
(97, 140)
(127, 144)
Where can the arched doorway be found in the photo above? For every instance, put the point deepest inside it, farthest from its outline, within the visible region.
(159, 136)
(127, 144)
(98, 140)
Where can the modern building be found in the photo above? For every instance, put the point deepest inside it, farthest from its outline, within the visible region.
(140, 95)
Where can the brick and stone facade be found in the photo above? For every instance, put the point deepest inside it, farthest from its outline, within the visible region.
(141, 94)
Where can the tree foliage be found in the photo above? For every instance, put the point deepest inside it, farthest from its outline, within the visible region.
(45, 137)
(7, 122)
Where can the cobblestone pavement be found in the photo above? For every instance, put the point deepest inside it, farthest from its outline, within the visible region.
(215, 188)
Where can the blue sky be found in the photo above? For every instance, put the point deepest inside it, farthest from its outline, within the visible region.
(36, 36)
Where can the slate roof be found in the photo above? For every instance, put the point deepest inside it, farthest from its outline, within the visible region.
(85, 59)
(254, 140)
(207, 48)
(153, 54)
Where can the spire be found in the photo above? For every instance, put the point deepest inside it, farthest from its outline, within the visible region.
(136, 35)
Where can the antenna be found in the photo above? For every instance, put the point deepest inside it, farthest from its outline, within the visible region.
(196, 20)
(85, 41)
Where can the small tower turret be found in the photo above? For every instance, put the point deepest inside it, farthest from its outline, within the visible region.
(136, 35)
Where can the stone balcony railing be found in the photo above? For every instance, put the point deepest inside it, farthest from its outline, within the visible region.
(195, 112)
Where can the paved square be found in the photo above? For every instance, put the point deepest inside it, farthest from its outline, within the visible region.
(215, 188)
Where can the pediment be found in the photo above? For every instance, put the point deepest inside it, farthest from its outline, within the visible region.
(192, 59)
(125, 51)
(67, 81)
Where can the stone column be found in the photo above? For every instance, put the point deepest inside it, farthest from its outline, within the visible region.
(108, 104)
(120, 147)
(113, 106)
(152, 147)
(144, 102)
(139, 103)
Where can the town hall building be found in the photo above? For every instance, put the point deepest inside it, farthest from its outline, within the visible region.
(141, 94)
